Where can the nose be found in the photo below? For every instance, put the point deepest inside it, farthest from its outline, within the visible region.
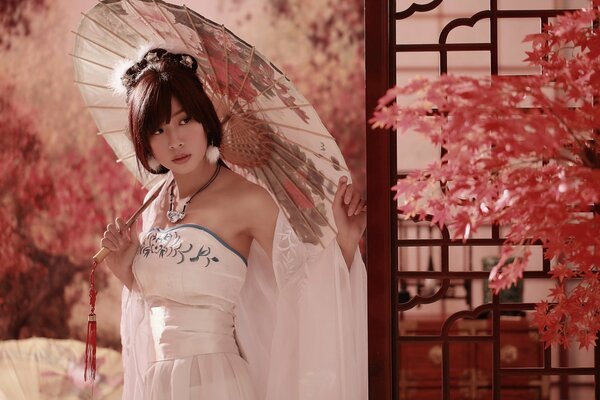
(175, 141)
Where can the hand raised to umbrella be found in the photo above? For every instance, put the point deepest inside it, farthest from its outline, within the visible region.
(122, 241)
(349, 213)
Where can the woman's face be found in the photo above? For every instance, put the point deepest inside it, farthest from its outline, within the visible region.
(181, 144)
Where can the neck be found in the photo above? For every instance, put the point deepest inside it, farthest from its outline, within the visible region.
(188, 184)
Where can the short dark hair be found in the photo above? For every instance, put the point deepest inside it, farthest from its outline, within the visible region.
(150, 104)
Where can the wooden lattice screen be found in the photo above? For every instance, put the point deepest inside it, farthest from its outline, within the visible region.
(477, 351)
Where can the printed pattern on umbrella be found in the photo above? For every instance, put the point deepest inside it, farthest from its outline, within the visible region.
(271, 134)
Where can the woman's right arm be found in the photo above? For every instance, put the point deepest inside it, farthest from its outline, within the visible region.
(123, 244)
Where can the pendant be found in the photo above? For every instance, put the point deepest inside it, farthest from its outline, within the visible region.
(175, 216)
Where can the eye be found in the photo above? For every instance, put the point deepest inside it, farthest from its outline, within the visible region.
(158, 131)
(185, 121)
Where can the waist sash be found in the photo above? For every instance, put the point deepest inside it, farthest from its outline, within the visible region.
(181, 332)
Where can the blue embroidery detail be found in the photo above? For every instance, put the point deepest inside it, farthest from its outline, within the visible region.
(168, 243)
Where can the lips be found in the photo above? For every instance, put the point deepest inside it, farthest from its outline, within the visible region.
(181, 158)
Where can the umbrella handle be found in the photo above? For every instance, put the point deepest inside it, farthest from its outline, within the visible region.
(101, 255)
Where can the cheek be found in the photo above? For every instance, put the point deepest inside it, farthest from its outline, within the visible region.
(157, 145)
(196, 133)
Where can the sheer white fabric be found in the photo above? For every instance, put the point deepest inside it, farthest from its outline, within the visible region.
(300, 323)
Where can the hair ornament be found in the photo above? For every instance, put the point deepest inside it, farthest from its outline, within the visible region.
(187, 61)
(126, 73)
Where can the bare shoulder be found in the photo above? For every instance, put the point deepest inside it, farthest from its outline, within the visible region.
(251, 199)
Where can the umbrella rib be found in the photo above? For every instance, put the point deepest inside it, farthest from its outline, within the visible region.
(99, 45)
(108, 30)
(110, 132)
(311, 183)
(144, 19)
(178, 34)
(287, 139)
(304, 162)
(247, 112)
(123, 21)
(108, 107)
(168, 21)
(126, 157)
(92, 84)
(226, 96)
(294, 128)
(245, 77)
(315, 153)
(90, 61)
(203, 45)
(271, 86)
(268, 181)
(252, 136)
(318, 212)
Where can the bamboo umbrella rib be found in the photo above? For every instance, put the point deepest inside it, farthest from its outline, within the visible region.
(90, 61)
(287, 139)
(245, 77)
(126, 157)
(271, 86)
(107, 107)
(93, 85)
(203, 45)
(123, 21)
(324, 218)
(314, 153)
(226, 97)
(249, 112)
(110, 132)
(318, 189)
(271, 186)
(302, 161)
(108, 30)
(99, 45)
(168, 21)
(178, 34)
(315, 133)
(252, 135)
(144, 19)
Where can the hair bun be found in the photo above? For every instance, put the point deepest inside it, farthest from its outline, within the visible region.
(152, 58)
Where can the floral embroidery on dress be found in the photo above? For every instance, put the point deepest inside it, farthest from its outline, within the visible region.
(169, 244)
(290, 255)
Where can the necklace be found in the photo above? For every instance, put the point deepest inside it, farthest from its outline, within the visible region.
(175, 216)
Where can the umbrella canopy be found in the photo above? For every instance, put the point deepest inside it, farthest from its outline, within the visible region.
(271, 134)
(41, 368)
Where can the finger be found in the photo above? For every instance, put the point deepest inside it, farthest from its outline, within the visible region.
(112, 228)
(353, 205)
(113, 238)
(349, 193)
(123, 229)
(109, 244)
(339, 194)
(362, 207)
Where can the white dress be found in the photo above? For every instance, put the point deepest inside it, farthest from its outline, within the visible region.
(201, 322)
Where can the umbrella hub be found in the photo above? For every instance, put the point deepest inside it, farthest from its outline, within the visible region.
(246, 141)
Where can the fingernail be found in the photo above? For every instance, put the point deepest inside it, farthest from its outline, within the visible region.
(343, 179)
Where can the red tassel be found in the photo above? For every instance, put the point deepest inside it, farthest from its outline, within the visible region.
(90, 341)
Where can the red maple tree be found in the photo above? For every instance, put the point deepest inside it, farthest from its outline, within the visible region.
(52, 209)
(522, 152)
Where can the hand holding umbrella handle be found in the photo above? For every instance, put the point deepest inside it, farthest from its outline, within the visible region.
(101, 255)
